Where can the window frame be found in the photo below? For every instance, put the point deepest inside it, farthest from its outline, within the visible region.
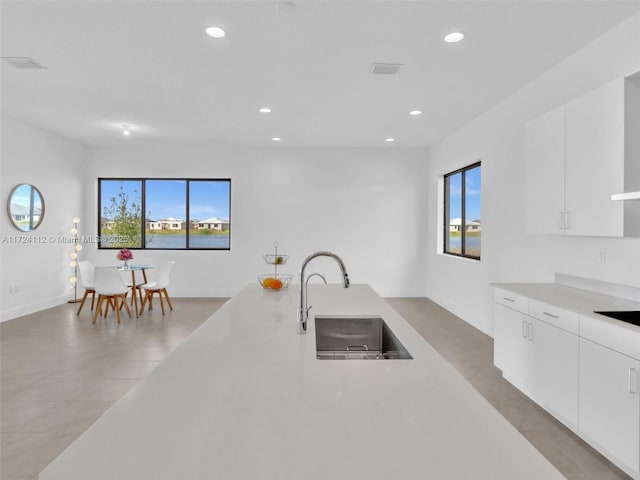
(463, 205)
(143, 201)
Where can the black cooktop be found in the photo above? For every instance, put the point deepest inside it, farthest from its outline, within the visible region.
(626, 316)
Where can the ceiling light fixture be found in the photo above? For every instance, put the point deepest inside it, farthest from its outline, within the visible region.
(415, 112)
(389, 140)
(276, 139)
(265, 110)
(24, 63)
(126, 129)
(386, 68)
(215, 32)
(453, 37)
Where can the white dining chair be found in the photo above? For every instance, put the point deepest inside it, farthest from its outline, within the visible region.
(87, 274)
(111, 290)
(159, 286)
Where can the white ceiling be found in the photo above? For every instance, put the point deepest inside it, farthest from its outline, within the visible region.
(150, 64)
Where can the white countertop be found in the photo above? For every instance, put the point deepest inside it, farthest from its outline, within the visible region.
(618, 335)
(581, 301)
(245, 397)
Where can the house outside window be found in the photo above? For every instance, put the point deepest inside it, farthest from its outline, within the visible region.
(462, 212)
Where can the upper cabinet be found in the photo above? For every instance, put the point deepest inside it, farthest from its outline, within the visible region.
(579, 154)
(594, 162)
(544, 173)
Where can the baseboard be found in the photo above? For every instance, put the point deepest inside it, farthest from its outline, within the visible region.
(15, 312)
(463, 313)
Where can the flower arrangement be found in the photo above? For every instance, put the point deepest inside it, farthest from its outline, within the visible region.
(125, 255)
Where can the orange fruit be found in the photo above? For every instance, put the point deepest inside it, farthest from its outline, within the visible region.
(276, 284)
(266, 283)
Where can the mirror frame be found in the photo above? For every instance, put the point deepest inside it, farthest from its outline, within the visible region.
(34, 191)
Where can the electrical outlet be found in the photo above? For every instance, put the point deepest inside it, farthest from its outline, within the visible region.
(16, 288)
(602, 256)
(12, 289)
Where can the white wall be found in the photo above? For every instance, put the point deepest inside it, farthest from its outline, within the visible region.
(41, 265)
(497, 138)
(366, 205)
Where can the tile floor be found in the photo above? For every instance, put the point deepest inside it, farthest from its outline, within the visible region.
(59, 373)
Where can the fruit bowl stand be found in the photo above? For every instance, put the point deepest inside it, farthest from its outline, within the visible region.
(275, 280)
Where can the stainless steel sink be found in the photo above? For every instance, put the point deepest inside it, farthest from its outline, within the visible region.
(357, 338)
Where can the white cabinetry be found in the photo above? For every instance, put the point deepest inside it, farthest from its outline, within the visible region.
(575, 159)
(609, 403)
(555, 371)
(538, 353)
(544, 173)
(594, 161)
(512, 352)
(583, 369)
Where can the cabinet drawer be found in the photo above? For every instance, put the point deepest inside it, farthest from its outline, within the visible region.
(511, 300)
(556, 316)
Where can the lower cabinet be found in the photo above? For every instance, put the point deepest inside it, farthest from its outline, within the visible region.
(549, 354)
(539, 359)
(555, 375)
(610, 403)
(512, 348)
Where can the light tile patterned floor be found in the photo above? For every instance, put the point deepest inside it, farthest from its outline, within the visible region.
(59, 373)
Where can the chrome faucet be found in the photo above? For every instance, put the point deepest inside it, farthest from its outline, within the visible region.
(303, 311)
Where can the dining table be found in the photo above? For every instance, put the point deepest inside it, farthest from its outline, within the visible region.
(135, 286)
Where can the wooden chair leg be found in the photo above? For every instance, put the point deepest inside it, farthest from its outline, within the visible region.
(144, 300)
(166, 295)
(84, 298)
(93, 298)
(107, 301)
(161, 302)
(98, 308)
(117, 307)
(126, 306)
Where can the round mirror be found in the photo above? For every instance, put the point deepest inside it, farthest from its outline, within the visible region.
(25, 207)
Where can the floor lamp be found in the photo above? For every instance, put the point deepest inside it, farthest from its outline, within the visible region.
(74, 260)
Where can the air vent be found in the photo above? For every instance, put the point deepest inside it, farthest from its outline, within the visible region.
(24, 63)
(386, 68)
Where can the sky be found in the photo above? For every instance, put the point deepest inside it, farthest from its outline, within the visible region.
(22, 196)
(474, 204)
(167, 198)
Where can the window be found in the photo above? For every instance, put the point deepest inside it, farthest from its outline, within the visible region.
(192, 214)
(462, 212)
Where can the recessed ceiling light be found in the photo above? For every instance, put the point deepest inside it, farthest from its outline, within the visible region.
(415, 112)
(126, 129)
(215, 32)
(276, 139)
(454, 37)
(265, 110)
(389, 140)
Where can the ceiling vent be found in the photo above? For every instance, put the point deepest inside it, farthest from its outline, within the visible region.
(386, 68)
(24, 63)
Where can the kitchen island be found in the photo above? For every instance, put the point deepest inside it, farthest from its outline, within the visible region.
(245, 397)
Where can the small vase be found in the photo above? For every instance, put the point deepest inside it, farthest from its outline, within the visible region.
(126, 264)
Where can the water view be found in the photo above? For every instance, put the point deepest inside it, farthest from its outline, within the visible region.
(195, 241)
(472, 244)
